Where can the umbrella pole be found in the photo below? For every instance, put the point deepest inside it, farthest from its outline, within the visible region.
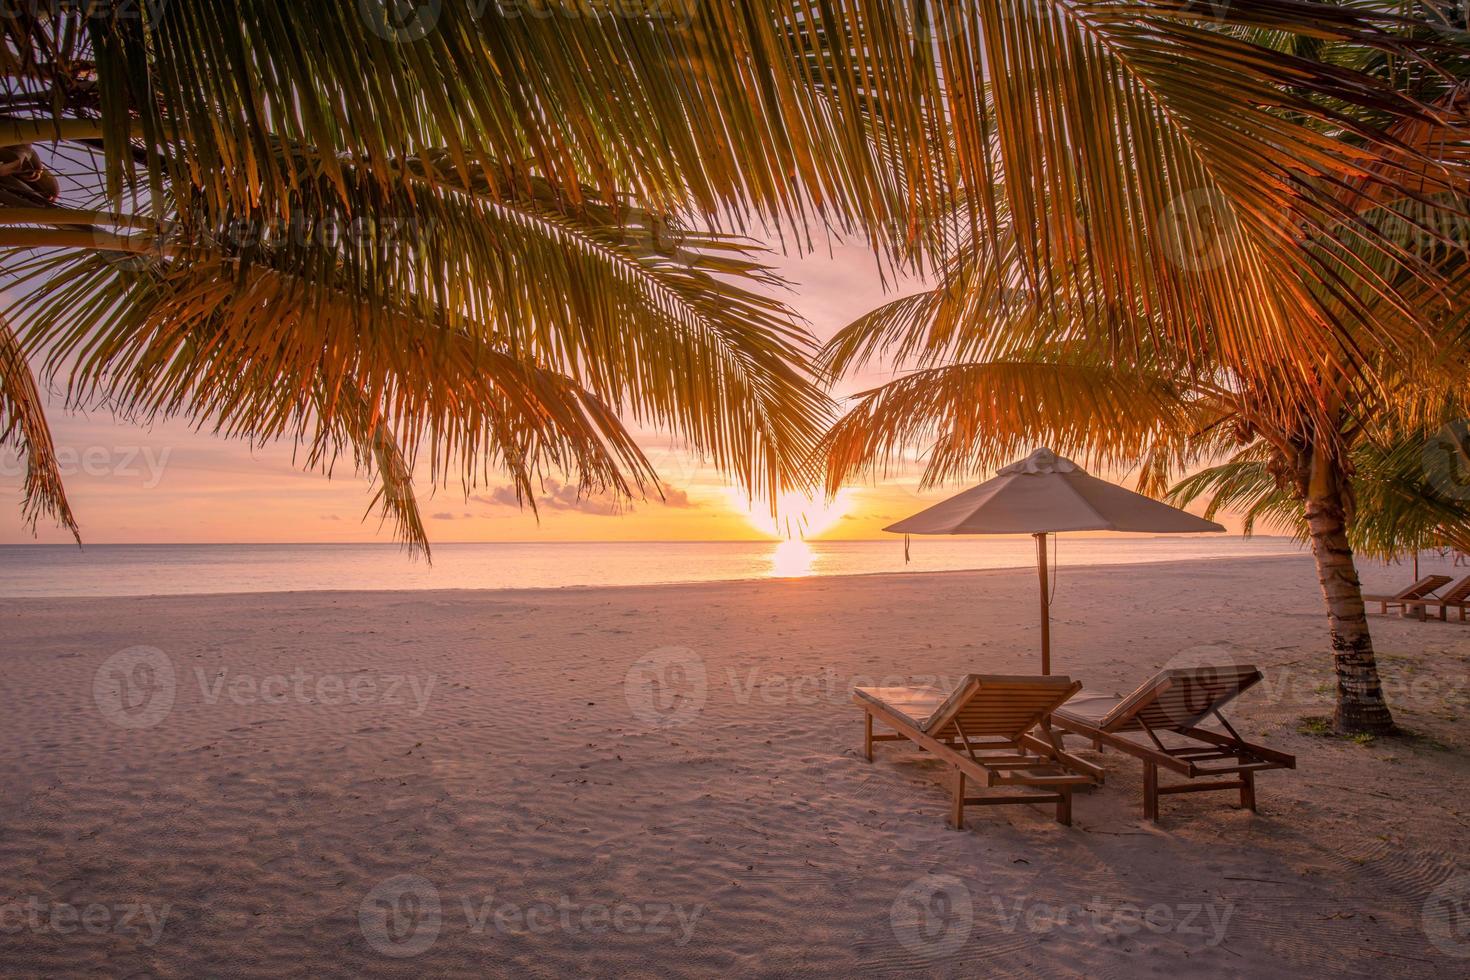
(1040, 537)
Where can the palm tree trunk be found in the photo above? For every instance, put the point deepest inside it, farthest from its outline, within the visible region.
(1360, 704)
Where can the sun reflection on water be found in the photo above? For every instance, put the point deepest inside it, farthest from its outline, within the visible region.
(792, 558)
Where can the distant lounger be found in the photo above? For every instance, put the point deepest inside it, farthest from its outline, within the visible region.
(1159, 723)
(992, 729)
(1413, 596)
(1456, 598)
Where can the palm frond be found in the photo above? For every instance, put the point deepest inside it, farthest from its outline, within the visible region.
(378, 452)
(504, 281)
(684, 106)
(1064, 151)
(273, 356)
(1398, 507)
(23, 429)
(966, 418)
(1245, 484)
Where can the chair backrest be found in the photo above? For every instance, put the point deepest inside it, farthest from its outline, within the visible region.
(1423, 587)
(998, 705)
(1461, 591)
(1179, 698)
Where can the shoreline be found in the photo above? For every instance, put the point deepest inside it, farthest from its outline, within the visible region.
(1058, 572)
(1081, 536)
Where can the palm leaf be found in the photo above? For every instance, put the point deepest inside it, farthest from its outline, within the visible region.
(23, 428)
(967, 418)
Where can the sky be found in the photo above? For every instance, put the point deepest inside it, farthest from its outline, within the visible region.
(170, 484)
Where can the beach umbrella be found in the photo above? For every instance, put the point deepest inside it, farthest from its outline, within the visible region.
(1043, 494)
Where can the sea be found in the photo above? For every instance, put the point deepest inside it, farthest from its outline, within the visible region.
(183, 569)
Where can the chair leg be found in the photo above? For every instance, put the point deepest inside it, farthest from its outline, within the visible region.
(1248, 791)
(868, 735)
(1064, 807)
(957, 817)
(1151, 791)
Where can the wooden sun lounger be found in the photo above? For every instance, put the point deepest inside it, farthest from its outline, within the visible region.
(1159, 723)
(992, 729)
(1421, 589)
(1457, 597)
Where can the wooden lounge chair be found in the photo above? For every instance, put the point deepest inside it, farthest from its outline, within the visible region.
(1159, 723)
(1457, 597)
(992, 729)
(1419, 590)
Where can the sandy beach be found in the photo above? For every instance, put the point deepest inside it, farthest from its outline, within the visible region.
(668, 781)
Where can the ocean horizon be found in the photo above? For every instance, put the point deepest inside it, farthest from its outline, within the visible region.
(49, 570)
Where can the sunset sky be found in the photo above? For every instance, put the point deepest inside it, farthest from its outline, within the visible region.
(170, 484)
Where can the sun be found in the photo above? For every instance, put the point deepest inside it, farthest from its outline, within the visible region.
(797, 515)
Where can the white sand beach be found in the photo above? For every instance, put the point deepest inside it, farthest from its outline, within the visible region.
(668, 781)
